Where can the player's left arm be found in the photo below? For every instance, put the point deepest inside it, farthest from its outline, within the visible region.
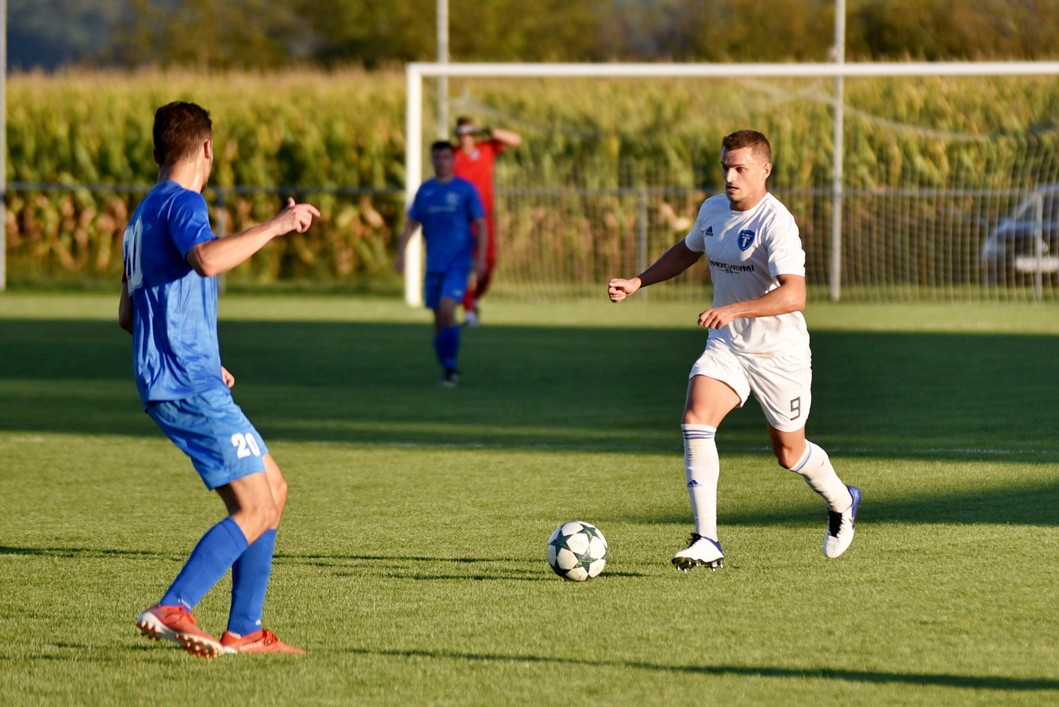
(219, 255)
(476, 215)
(481, 236)
(788, 297)
(508, 138)
(786, 263)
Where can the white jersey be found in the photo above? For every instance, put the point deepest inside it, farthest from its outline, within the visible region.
(746, 251)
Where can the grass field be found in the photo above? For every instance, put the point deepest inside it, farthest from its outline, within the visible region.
(411, 561)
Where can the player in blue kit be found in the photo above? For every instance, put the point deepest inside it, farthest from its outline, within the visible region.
(446, 207)
(169, 305)
(758, 343)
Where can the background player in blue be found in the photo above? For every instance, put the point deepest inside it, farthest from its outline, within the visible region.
(169, 305)
(446, 207)
(758, 343)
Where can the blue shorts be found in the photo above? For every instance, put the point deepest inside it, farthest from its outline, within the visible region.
(212, 430)
(448, 283)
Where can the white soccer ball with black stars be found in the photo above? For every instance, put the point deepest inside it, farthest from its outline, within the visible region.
(577, 551)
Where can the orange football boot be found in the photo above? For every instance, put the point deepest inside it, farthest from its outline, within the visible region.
(174, 623)
(263, 641)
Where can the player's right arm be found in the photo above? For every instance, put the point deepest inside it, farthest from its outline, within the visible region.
(410, 227)
(125, 307)
(219, 255)
(673, 262)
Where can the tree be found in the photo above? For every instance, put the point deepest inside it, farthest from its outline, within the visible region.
(947, 30)
(208, 34)
(372, 34)
(36, 38)
(262, 33)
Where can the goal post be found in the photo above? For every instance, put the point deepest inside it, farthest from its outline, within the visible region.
(413, 177)
(835, 109)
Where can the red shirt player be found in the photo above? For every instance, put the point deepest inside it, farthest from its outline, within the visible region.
(475, 161)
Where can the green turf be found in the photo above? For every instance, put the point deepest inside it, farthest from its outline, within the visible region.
(411, 561)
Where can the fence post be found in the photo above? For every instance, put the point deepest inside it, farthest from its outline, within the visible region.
(642, 218)
(1038, 248)
(837, 159)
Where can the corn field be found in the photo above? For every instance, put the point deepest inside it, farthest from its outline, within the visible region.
(334, 139)
(337, 139)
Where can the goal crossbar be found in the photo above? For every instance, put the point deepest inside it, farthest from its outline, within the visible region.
(670, 70)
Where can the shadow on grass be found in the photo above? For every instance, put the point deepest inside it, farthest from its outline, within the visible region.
(506, 569)
(931, 396)
(412, 567)
(82, 552)
(976, 682)
(1029, 505)
(421, 568)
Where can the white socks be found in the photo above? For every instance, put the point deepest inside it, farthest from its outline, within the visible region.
(701, 469)
(815, 467)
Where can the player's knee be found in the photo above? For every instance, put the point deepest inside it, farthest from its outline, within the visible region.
(264, 517)
(277, 485)
(271, 516)
(279, 495)
(256, 518)
(691, 417)
(786, 457)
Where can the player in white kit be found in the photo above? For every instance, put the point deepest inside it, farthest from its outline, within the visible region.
(758, 343)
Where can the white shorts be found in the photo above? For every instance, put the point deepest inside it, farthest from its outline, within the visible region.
(781, 384)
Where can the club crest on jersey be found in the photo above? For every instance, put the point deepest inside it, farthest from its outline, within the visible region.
(746, 239)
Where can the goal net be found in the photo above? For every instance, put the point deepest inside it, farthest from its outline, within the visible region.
(947, 189)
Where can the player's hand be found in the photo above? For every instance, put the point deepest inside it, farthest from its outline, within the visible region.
(618, 288)
(297, 217)
(716, 318)
(227, 377)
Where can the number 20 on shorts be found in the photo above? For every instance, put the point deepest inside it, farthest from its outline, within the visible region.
(246, 445)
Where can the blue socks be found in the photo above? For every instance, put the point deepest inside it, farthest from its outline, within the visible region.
(447, 346)
(250, 575)
(224, 546)
(218, 549)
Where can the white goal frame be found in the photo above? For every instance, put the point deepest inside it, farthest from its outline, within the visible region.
(416, 72)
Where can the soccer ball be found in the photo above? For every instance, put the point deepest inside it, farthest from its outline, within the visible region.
(577, 551)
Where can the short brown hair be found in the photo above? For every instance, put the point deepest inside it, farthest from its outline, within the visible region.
(179, 129)
(756, 141)
(465, 126)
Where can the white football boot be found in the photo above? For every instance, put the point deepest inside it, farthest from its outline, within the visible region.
(840, 526)
(702, 552)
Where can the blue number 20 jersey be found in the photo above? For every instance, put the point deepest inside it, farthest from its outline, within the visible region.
(174, 342)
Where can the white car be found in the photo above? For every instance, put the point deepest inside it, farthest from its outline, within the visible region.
(1026, 242)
